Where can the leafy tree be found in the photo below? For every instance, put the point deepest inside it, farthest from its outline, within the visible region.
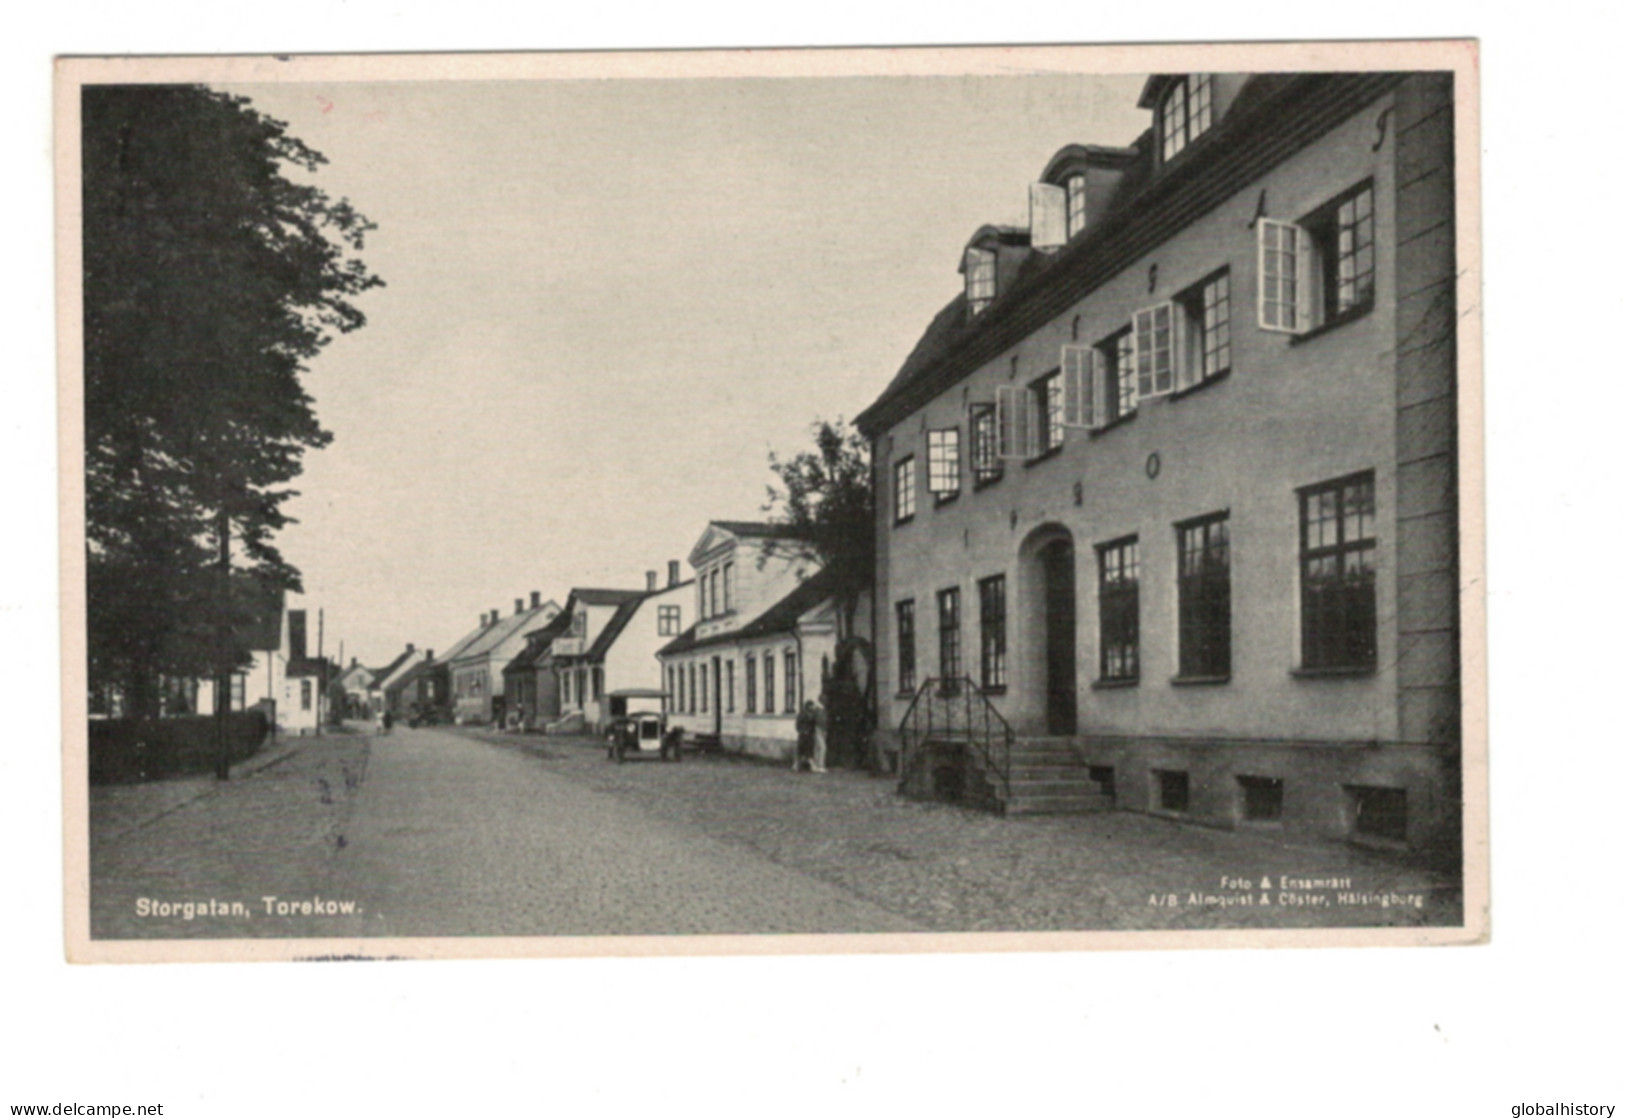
(210, 278)
(828, 494)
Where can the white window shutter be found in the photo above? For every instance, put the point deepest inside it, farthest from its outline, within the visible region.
(1076, 402)
(1283, 276)
(1047, 215)
(1009, 414)
(1144, 324)
(1099, 371)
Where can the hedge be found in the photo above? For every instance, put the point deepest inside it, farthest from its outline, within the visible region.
(123, 750)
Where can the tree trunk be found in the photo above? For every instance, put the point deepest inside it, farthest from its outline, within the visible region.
(223, 658)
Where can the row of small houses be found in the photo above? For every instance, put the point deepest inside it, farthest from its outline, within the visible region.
(1169, 490)
(735, 649)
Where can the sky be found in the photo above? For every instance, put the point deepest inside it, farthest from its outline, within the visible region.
(608, 301)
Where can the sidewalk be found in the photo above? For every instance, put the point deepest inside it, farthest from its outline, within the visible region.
(955, 869)
(118, 809)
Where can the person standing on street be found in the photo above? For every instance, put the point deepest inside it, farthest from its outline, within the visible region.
(820, 736)
(806, 736)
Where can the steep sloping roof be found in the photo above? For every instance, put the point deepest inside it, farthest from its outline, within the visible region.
(1273, 117)
(379, 675)
(781, 617)
(412, 674)
(504, 628)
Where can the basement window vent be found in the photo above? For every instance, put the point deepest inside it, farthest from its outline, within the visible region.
(1106, 777)
(1378, 813)
(1262, 798)
(1173, 790)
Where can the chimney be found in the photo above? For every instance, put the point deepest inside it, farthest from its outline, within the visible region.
(651, 580)
(674, 572)
(535, 599)
(428, 655)
(495, 613)
(518, 606)
(354, 660)
(409, 647)
(482, 620)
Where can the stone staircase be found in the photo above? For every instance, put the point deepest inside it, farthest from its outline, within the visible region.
(1048, 776)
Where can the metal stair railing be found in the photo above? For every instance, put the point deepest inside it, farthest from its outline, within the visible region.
(953, 708)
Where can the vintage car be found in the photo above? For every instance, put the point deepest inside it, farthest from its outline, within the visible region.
(639, 727)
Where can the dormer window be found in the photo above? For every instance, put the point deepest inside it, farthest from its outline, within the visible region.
(980, 265)
(1187, 112)
(1074, 206)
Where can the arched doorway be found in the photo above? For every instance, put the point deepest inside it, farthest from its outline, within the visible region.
(1057, 562)
(1050, 628)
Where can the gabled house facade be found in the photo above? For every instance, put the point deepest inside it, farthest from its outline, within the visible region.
(1172, 483)
(532, 684)
(283, 678)
(609, 645)
(762, 642)
(477, 681)
(423, 686)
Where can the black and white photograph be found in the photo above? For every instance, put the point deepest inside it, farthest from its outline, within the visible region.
(716, 503)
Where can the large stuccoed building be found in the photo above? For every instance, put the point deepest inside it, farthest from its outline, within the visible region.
(1172, 484)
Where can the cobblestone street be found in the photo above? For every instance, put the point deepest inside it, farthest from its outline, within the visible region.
(455, 832)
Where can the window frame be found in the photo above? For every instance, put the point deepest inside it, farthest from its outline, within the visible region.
(1077, 211)
(908, 674)
(950, 628)
(903, 485)
(1118, 605)
(981, 279)
(1305, 298)
(943, 464)
(1205, 607)
(1338, 649)
(1195, 114)
(669, 620)
(1202, 324)
(986, 465)
(750, 683)
(993, 612)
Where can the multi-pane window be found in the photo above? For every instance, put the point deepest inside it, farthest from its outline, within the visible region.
(1120, 610)
(1351, 261)
(1048, 391)
(239, 692)
(789, 681)
(906, 680)
(942, 463)
(1075, 212)
(949, 665)
(1154, 350)
(980, 278)
(671, 686)
(767, 683)
(991, 592)
(1204, 597)
(1321, 269)
(1119, 386)
(1282, 249)
(671, 620)
(727, 587)
(682, 689)
(703, 583)
(305, 692)
(716, 607)
(1187, 112)
(984, 444)
(730, 686)
(1338, 548)
(750, 685)
(705, 689)
(1208, 307)
(903, 489)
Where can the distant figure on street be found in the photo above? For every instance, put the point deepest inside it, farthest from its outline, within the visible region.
(388, 719)
(806, 736)
(820, 736)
